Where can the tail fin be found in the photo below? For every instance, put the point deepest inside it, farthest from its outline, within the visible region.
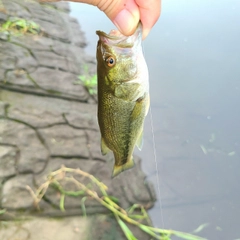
(118, 169)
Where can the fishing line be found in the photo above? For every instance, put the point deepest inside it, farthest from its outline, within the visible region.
(156, 165)
(155, 157)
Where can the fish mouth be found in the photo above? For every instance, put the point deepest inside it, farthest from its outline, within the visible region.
(116, 38)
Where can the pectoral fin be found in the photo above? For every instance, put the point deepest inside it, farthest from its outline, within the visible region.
(147, 104)
(139, 108)
(139, 142)
(104, 148)
(118, 169)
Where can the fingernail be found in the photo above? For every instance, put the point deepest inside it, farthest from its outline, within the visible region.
(125, 22)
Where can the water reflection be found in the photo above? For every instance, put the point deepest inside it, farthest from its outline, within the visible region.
(193, 54)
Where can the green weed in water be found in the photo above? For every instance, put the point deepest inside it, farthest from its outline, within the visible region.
(2, 8)
(89, 81)
(2, 211)
(20, 26)
(122, 216)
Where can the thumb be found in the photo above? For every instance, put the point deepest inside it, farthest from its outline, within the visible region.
(123, 13)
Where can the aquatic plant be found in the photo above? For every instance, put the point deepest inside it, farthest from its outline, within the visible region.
(122, 216)
(2, 8)
(2, 211)
(20, 26)
(89, 81)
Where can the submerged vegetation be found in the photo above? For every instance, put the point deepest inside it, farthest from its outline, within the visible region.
(2, 8)
(88, 80)
(2, 211)
(19, 26)
(60, 177)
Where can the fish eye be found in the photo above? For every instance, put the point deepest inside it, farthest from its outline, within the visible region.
(110, 61)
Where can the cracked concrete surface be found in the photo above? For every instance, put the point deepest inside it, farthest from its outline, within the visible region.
(47, 121)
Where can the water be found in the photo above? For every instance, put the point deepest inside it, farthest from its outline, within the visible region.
(193, 54)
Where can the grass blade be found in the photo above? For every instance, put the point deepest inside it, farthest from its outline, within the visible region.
(187, 236)
(61, 203)
(200, 228)
(83, 206)
(125, 229)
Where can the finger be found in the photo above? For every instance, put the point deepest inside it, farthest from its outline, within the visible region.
(127, 18)
(123, 13)
(149, 13)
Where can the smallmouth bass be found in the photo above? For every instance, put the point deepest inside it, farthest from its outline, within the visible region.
(123, 95)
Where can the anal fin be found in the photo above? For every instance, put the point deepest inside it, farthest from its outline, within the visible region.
(104, 148)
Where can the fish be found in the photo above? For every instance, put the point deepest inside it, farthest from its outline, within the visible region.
(123, 95)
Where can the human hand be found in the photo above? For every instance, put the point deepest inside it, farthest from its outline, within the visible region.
(126, 14)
